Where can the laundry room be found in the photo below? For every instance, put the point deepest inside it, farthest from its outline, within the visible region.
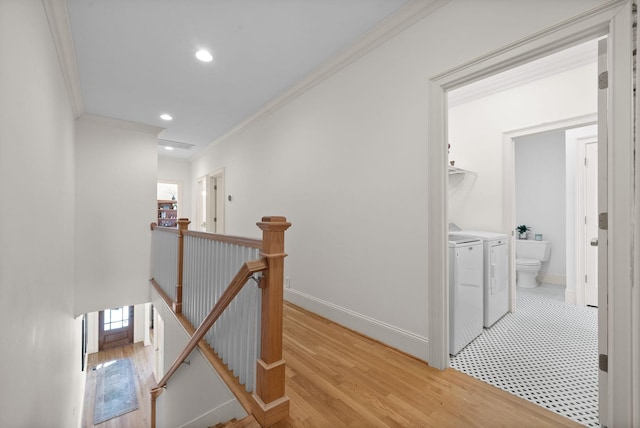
(516, 144)
(494, 126)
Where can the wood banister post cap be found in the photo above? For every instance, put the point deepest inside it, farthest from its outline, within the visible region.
(274, 223)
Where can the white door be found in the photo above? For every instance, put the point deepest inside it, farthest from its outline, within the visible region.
(212, 202)
(591, 223)
(201, 205)
(603, 310)
(215, 202)
(158, 346)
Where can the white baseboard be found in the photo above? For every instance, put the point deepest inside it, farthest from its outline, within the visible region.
(571, 297)
(223, 413)
(552, 278)
(403, 340)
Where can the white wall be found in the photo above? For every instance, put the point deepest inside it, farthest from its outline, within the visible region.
(42, 382)
(178, 171)
(541, 195)
(345, 163)
(477, 128)
(196, 396)
(116, 164)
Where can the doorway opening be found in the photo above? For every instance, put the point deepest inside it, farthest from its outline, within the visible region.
(528, 176)
(115, 327)
(210, 202)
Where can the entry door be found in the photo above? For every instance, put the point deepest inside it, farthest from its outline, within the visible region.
(591, 223)
(116, 327)
(603, 309)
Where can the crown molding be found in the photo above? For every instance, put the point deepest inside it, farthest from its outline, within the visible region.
(403, 18)
(60, 27)
(122, 124)
(574, 57)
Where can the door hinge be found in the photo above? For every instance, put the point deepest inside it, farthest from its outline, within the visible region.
(585, 162)
(215, 219)
(603, 80)
(603, 221)
(585, 279)
(603, 362)
(215, 187)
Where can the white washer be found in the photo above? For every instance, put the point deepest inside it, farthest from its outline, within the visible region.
(496, 273)
(465, 291)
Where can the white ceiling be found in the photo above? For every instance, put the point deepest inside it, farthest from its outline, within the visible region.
(136, 60)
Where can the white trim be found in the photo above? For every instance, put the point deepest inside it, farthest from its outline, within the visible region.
(552, 278)
(406, 341)
(220, 201)
(58, 19)
(406, 16)
(223, 413)
(621, 205)
(581, 55)
(613, 18)
(123, 124)
(509, 192)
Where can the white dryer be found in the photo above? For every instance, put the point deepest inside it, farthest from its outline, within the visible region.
(465, 291)
(496, 273)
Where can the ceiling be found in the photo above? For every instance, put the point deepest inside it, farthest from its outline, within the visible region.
(136, 58)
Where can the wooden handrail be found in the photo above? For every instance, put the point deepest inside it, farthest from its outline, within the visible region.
(236, 284)
(269, 404)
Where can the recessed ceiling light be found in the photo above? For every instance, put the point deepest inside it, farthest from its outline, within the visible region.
(204, 55)
(168, 148)
(166, 116)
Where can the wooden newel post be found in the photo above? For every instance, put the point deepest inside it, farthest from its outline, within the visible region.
(270, 402)
(183, 224)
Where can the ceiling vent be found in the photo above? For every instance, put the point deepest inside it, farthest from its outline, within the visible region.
(175, 144)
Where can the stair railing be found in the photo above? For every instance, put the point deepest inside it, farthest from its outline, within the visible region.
(269, 403)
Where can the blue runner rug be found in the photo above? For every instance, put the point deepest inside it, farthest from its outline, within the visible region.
(115, 390)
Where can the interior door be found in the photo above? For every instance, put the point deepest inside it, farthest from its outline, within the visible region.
(115, 327)
(591, 223)
(158, 346)
(212, 204)
(603, 309)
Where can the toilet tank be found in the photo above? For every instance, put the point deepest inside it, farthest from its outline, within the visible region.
(530, 249)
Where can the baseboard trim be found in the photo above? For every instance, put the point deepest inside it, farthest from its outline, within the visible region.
(223, 413)
(552, 278)
(571, 297)
(403, 340)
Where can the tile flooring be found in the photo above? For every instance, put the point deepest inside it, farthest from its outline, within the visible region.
(545, 352)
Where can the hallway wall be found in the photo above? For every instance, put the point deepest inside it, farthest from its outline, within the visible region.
(116, 185)
(42, 382)
(345, 162)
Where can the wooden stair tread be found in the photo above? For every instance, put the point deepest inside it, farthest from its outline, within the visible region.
(247, 422)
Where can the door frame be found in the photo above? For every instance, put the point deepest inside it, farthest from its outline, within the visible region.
(508, 184)
(215, 202)
(614, 20)
(130, 328)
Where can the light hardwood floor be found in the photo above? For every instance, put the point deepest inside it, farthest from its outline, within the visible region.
(142, 358)
(337, 378)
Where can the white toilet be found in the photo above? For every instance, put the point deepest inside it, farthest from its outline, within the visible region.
(529, 257)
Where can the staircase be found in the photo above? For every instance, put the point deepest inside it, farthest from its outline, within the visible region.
(248, 422)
